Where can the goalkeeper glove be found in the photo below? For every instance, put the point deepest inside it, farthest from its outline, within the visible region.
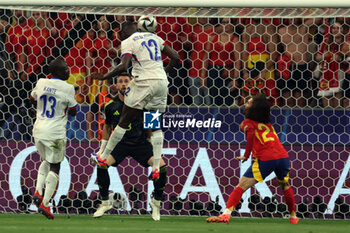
(96, 159)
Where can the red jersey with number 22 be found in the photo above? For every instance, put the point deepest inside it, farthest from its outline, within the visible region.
(262, 141)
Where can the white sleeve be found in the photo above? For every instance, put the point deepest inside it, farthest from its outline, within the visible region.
(161, 43)
(72, 103)
(126, 47)
(34, 94)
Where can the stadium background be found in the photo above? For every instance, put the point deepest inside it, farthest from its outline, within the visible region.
(201, 161)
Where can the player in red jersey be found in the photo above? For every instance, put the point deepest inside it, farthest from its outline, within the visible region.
(268, 154)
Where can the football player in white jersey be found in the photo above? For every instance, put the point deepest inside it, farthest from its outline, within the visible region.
(53, 97)
(147, 91)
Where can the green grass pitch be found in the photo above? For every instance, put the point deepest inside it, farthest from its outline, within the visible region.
(27, 223)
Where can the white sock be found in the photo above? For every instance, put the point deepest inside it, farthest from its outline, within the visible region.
(42, 174)
(114, 139)
(105, 202)
(157, 141)
(227, 211)
(50, 187)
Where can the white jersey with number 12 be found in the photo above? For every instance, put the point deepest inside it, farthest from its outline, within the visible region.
(146, 51)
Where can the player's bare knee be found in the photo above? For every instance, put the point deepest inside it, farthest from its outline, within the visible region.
(242, 186)
(245, 183)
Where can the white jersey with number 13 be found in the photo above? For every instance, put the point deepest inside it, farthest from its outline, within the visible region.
(54, 97)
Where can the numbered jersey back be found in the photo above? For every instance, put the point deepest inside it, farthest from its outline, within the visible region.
(266, 145)
(145, 49)
(54, 97)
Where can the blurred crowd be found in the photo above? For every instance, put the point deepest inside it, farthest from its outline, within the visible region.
(296, 62)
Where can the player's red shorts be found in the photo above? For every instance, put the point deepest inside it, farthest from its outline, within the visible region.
(259, 170)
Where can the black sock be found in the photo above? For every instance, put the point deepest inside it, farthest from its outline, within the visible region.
(159, 184)
(103, 182)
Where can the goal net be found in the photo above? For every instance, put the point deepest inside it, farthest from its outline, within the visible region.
(298, 57)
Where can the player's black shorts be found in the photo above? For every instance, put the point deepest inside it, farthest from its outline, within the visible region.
(140, 152)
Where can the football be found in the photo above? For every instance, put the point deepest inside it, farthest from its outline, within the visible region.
(147, 24)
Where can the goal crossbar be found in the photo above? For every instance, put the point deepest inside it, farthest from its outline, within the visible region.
(184, 3)
(193, 12)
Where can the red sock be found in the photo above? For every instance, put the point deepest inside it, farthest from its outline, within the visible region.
(289, 196)
(235, 198)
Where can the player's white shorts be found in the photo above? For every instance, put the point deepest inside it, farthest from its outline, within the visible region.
(52, 151)
(147, 94)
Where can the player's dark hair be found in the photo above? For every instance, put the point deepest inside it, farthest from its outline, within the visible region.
(127, 25)
(115, 80)
(128, 28)
(260, 109)
(124, 74)
(56, 68)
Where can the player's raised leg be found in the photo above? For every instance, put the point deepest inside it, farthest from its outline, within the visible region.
(128, 115)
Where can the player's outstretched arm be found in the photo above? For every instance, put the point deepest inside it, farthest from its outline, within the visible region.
(122, 67)
(173, 55)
